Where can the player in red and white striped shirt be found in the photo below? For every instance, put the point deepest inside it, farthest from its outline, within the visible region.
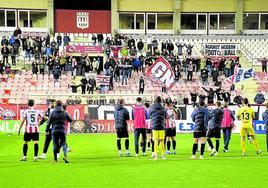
(170, 128)
(32, 117)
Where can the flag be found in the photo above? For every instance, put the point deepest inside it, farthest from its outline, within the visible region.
(239, 75)
(161, 73)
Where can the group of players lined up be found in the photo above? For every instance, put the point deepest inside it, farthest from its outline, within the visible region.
(157, 123)
(57, 121)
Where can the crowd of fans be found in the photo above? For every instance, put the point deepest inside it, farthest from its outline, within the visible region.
(43, 51)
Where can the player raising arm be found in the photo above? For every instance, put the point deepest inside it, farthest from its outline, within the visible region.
(31, 117)
(246, 115)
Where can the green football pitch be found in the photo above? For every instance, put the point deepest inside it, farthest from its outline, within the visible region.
(95, 163)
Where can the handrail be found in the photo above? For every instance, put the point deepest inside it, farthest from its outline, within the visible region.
(247, 53)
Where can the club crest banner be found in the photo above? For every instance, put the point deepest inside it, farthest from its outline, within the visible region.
(161, 73)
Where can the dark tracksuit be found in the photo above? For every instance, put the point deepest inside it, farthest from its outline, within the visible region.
(200, 119)
(158, 115)
(49, 136)
(58, 119)
(121, 115)
(215, 117)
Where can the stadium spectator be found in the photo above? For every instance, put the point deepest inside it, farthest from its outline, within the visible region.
(227, 69)
(204, 76)
(211, 94)
(140, 45)
(264, 65)
(59, 40)
(47, 40)
(158, 118)
(83, 85)
(189, 49)
(17, 32)
(91, 85)
(265, 119)
(34, 67)
(238, 98)
(57, 120)
(193, 98)
(215, 74)
(56, 72)
(139, 116)
(5, 52)
(190, 72)
(121, 116)
(180, 48)
(4, 41)
(66, 39)
(259, 98)
(100, 38)
(226, 95)
(227, 124)
(42, 64)
(200, 117)
(13, 55)
(1, 67)
(141, 85)
(214, 128)
(94, 39)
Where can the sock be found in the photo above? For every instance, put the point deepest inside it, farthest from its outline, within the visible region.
(195, 145)
(55, 155)
(174, 144)
(25, 149)
(127, 144)
(119, 144)
(64, 149)
(141, 144)
(210, 143)
(162, 145)
(152, 145)
(255, 143)
(217, 145)
(36, 150)
(243, 146)
(202, 149)
(155, 148)
(148, 144)
(168, 145)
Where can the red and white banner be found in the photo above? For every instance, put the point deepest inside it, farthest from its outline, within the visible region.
(161, 73)
(14, 112)
(9, 112)
(75, 49)
(102, 80)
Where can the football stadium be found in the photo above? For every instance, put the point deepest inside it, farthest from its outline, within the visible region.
(133, 93)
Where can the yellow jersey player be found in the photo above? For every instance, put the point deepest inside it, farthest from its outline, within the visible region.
(246, 116)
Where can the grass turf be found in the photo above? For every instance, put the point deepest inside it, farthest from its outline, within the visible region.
(95, 163)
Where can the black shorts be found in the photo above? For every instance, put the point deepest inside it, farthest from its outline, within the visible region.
(200, 134)
(122, 133)
(149, 131)
(170, 132)
(31, 136)
(214, 133)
